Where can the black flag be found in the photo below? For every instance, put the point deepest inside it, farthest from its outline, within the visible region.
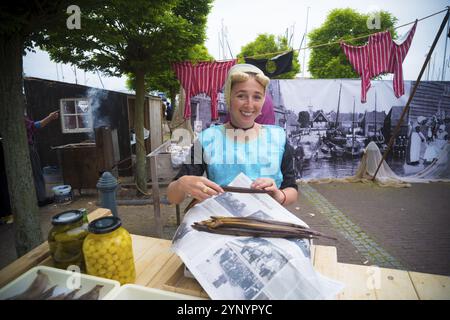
(275, 66)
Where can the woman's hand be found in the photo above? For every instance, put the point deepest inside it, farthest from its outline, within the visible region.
(199, 188)
(269, 184)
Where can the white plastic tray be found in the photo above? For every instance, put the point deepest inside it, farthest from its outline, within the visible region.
(137, 292)
(64, 279)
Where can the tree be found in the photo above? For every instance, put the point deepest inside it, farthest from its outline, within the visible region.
(166, 81)
(303, 119)
(265, 46)
(21, 22)
(138, 37)
(329, 61)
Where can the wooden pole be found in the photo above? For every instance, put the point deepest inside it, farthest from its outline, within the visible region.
(445, 52)
(406, 109)
(339, 103)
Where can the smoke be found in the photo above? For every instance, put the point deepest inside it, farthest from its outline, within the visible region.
(99, 118)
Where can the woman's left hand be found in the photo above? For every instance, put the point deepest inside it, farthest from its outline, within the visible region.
(267, 184)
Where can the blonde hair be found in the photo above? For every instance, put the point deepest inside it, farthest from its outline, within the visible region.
(240, 73)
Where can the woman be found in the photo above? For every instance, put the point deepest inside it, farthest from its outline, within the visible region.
(416, 140)
(259, 151)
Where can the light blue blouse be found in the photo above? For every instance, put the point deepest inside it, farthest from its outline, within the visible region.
(226, 156)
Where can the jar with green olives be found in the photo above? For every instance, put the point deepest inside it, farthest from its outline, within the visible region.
(108, 251)
(66, 238)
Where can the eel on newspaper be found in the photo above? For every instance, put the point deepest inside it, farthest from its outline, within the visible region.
(252, 268)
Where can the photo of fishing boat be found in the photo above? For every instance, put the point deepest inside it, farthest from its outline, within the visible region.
(329, 128)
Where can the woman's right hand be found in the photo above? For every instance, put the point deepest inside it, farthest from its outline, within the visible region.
(200, 188)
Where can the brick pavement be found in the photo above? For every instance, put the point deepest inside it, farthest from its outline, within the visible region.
(306, 211)
(410, 224)
(365, 245)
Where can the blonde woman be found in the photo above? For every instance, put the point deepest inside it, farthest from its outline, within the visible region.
(259, 151)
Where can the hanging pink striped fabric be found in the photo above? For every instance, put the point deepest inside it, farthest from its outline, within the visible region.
(203, 77)
(380, 54)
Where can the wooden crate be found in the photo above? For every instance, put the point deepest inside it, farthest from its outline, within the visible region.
(181, 284)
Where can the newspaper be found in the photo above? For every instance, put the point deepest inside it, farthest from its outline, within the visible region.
(251, 268)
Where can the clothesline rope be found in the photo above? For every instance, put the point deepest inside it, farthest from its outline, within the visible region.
(337, 42)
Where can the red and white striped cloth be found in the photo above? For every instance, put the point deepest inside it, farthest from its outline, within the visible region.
(380, 54)
(203, 77)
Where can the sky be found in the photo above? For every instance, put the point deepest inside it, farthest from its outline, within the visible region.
(243, 21)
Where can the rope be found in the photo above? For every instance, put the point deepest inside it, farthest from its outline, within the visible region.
(367, 35)
(431, 15)
(337, 42)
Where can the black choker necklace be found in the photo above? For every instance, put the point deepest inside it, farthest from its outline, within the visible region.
(234, 127)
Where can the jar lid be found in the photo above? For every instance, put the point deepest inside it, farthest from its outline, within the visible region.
(67, 217)
(104, 225)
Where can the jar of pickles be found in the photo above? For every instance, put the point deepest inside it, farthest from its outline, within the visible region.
(66, 238)
(108, 251)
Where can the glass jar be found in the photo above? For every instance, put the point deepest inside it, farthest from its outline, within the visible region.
(108, 251)
(85, 215)
(66, 238)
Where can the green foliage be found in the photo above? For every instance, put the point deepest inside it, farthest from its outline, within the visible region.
(121, 37)
(138, 37)
(30, 19)
(20, 22)
(266, 46)
(23, 16)
(328, 62)
(199, 53)
(166, 81)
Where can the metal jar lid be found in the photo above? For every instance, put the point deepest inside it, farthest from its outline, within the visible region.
(67, 217)
(104, 225)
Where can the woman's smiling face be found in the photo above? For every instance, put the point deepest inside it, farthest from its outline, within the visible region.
(247, 99)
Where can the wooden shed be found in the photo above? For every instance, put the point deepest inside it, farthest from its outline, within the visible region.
(83, 109)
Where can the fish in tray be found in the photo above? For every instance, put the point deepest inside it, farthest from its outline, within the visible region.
(65, 296)
(92, 294)
(39, 290)
(36, 288)
(47, 293)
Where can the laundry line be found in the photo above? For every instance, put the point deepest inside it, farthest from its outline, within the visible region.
(337, 42)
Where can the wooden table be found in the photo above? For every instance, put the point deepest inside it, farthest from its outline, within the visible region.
(158, 267)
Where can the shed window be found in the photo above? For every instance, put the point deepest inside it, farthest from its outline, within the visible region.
(76, 115)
